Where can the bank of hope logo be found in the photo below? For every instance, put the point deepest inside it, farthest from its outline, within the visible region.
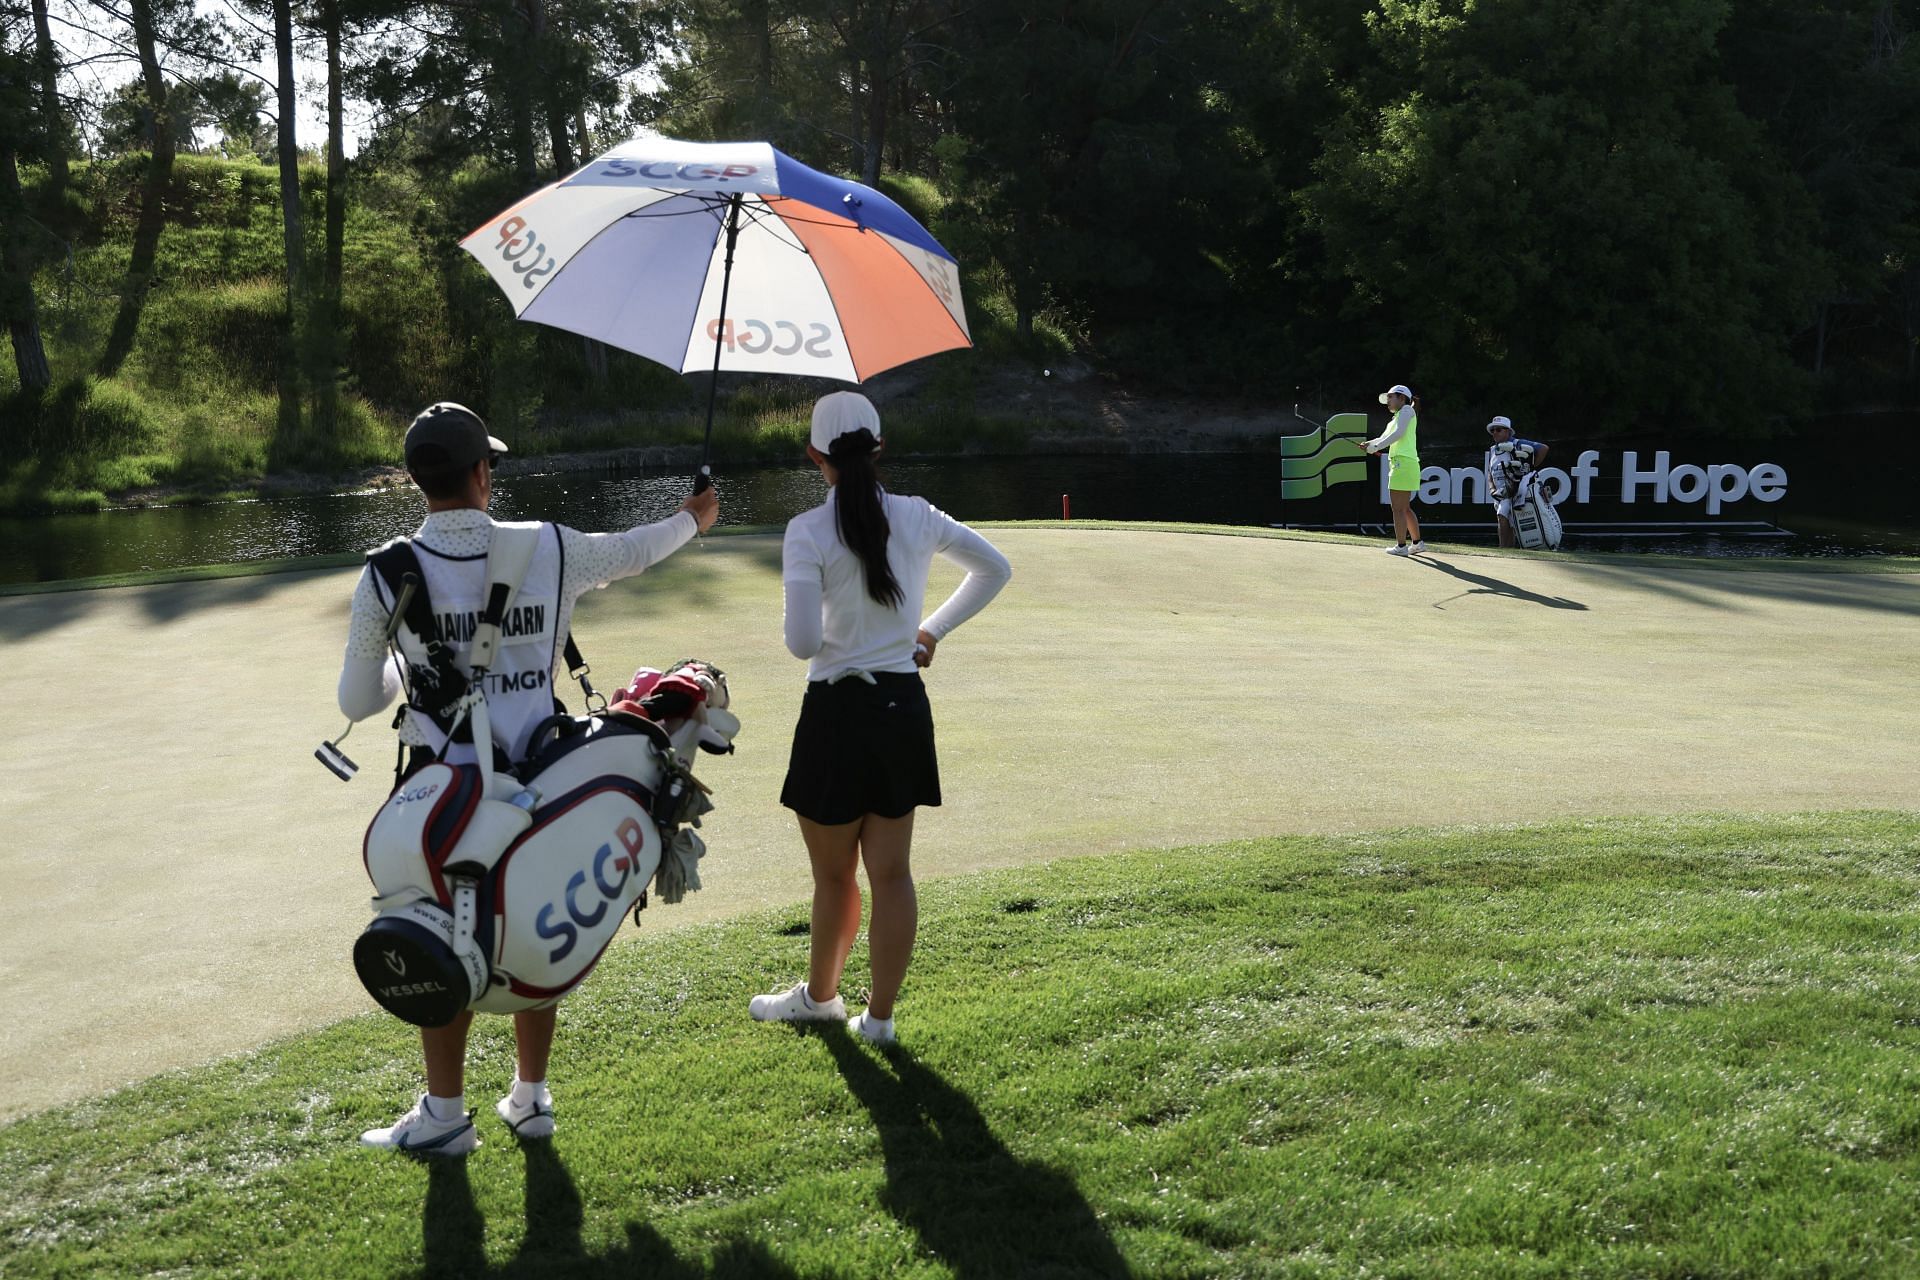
(1334, 454)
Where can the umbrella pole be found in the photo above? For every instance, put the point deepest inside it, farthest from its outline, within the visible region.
(704, 480)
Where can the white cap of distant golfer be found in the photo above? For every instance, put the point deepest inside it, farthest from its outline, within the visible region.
(1500, 423)
(1397, 389)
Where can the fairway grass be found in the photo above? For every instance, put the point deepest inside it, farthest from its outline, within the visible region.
(1635, 1047)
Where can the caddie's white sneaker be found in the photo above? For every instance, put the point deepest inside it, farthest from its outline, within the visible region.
(1399, 549)
(534, 1120)
(796, 1006)
(871, 1029)
(418, 1132)
(1418, 549)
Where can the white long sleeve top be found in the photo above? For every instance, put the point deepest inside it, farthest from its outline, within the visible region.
(833, 622)
(370, 674)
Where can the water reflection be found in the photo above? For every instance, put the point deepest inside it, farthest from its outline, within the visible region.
(1215, 488)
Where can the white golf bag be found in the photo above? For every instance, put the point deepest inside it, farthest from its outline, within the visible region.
(504, 904)
(1536, 521)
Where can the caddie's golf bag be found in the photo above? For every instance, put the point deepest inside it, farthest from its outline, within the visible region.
(1536, 521)
(499, 891)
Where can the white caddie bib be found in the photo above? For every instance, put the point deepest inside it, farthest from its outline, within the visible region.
(520, 682)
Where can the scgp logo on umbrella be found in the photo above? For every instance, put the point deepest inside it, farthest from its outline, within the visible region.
(782, 337)
(517, 250)
(666, 170)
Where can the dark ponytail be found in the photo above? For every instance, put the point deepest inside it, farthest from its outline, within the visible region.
(861, 517)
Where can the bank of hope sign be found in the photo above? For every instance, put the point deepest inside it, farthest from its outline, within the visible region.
(1716, 485)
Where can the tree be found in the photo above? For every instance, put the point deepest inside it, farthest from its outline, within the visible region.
(17, 301)
(453, 79)
(53, 120)
(1836, 86)
(1086, 157)
(1558, 203)
(145, 16)
(287, 107)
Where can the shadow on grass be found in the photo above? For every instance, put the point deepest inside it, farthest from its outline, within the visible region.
(1735, 589)
(1485, 586)
(23, 617)
(976, 1206)
(453, 1234)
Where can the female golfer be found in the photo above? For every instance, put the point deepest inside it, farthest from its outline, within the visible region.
(855, 571)
(1403, 468)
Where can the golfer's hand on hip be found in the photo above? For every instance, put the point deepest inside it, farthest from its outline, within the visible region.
(923, 646)
(704, 507)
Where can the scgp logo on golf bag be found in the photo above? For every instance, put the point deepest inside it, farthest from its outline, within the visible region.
(631, 840)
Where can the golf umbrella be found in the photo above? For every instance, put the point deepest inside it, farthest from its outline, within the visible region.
(727, 256)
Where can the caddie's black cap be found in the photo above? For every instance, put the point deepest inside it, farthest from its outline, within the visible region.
(449, 435)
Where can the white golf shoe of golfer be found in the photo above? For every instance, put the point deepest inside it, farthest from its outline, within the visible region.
(422, 1133)
(796, 1006)
(871, 1029)
(530, 1119)
(1399, 549)
(1418, 549)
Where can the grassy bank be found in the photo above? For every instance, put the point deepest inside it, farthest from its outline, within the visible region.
(208, 394)
(1610, 1048)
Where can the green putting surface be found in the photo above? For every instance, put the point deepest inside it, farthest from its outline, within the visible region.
(184, 879)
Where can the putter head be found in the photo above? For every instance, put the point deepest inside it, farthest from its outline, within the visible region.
(336, 761)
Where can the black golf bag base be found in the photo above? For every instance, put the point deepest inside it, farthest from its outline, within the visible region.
(406, 961)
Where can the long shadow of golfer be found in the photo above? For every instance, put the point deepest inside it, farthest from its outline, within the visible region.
(453, 1233)
(1484, 586)
(976, 1206)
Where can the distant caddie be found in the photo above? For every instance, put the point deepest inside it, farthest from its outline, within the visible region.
(450, 456)
(1509, 458)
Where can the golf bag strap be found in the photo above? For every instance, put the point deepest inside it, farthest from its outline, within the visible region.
(509, 554)
(577, 668)
(466, 918)
(393, 563)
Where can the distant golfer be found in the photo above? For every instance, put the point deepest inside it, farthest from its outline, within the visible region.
(1401, 443)
(451, 457)
(855, 572)
(1508, 459)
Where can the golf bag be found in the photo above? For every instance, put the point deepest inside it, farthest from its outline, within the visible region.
(1536, 521)
(500, 905)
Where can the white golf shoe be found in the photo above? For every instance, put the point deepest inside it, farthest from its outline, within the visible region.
(796, 1006)
(533, 1120)
(419, 1132)
(1399, 549)
(871, 1029)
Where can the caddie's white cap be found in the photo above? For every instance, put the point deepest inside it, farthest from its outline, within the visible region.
(1500, 420)
(837, 413)
(1397, 389)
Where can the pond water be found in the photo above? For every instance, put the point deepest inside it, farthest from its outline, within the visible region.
(1828, 509)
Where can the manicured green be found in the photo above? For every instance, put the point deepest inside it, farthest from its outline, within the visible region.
(1609, 1048)
(1875, 565)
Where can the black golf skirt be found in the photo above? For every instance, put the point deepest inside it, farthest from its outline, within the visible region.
(863, 748)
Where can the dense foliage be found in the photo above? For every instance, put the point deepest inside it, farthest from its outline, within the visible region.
(1610, 213)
